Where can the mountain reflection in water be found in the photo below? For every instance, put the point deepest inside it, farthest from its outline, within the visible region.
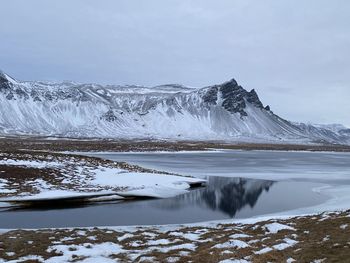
(222, 198)
(228, 195)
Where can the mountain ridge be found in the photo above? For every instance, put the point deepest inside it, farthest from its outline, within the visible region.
(225, 111)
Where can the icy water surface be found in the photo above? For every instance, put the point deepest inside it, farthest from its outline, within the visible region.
(223, 198)
(275, 165)
(241, 184)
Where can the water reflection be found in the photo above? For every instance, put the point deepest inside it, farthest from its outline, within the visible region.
(222, 198)
(228, 195)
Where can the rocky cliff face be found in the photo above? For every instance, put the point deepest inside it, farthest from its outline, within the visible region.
(220, 112)
(232, 96)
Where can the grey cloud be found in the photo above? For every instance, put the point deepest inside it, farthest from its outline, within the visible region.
(302, 48)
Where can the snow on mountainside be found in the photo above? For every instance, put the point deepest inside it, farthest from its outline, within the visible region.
(219, 112)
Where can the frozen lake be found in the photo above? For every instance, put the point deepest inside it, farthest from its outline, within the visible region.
(242, 184)
(275, 165)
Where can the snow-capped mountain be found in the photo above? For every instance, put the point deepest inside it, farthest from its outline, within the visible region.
(220, 112)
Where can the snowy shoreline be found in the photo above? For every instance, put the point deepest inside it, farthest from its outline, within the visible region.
(279, 236)
(148, 185)
(208, 150)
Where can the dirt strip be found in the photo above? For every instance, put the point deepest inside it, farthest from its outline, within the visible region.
(60, 144)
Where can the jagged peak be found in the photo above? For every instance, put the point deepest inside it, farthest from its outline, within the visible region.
(253, 98)
(253, 91)
(6, 78)
(231, 82)
(3, 75)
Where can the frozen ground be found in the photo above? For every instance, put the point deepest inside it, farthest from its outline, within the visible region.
(300, 239)
(54, 176)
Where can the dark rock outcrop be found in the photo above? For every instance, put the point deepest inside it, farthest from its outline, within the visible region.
(4, 83)
(211, 96)
(109, 116)
(253, 98)
(233, 97)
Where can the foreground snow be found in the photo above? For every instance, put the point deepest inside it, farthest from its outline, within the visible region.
(278, 238)
(300, 239)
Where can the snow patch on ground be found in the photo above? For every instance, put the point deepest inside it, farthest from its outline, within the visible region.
(29, 258)
(125, 236)
(239, 236)
(234, 261)
(4, 187)
(144, 184)
(159, 242)
(344, 226)
(263, 251)
(95, 252)
(286, 244)
(235, 243)
(32, 164)
(273, 228)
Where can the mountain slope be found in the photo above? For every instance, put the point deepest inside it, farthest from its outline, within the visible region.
(220, 112)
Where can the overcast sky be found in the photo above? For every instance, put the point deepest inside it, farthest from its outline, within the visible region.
(296, 54)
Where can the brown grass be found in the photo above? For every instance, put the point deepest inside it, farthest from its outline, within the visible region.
(40, 143)
(310, 233)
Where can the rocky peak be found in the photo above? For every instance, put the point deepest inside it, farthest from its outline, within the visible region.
(6, 78)
(268, 108)
(9, 87)
(4, 82)
(233, 97)
(3, 77)
(253, 98)
(231, 82)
